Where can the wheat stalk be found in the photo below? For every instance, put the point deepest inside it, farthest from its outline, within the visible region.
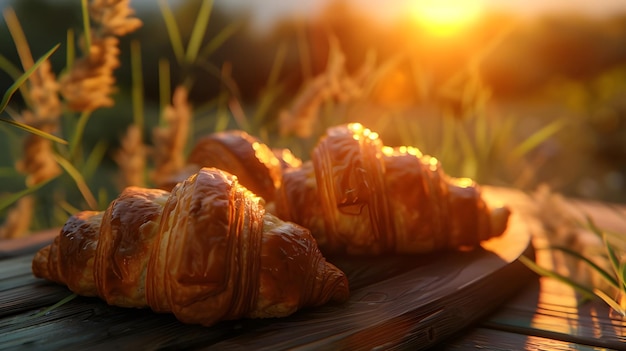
(171, 138)
(17, 221)
(37, 161)
(86, 86)
(131, 157)
(89, 83)
(334, 84)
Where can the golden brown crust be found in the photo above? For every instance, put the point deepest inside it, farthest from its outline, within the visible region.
(69, 260)
(237, 152)
(125, 244)
(205, 252)
(359, 197)
(349, 172)
(297, 200)
(373, 199)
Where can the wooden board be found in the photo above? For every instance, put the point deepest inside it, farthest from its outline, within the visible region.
(410, 302)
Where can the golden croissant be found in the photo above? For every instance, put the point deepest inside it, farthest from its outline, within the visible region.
(258, 167)
(358, 196)
(205, 252)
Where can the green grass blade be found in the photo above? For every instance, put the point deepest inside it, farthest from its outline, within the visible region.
(304, 52)
(588, 293)
(225, 79)
(470, 166)
(173, 32)
(137, 84)
(9, 200)
(608, 277)
(164, 87)
(60, 213)
(197, 33)
(269, 96)
(502, 134)
(613, 258)
(448, 147)
(35, 131)
(610, 301)
(277, 64)
(602, 233)
(103, 198)
(219, 39)
(94, 159)
(382, 70)
(482, 135)
(18, 82)
(621, 275)
(79, 180)
(272, 89)
(6, 172)
(15, 72)
(70, 50)
(86, 24)
(593, 227)
(538, 137)
(56, 305)
(77, 136)
(11, 69)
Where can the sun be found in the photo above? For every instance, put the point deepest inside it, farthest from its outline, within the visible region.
(446, 17)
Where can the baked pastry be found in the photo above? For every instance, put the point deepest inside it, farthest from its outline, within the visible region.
(258, 167)
(358, 196)
(207, 251)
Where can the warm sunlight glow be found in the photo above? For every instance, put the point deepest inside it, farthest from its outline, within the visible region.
(446, 17)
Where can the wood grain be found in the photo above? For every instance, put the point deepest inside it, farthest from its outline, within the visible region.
(490, 339)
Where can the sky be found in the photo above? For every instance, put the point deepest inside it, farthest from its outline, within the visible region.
(266, 11)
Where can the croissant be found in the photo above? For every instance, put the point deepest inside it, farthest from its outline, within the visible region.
(207, 251)
(358, 196)
(258, 167)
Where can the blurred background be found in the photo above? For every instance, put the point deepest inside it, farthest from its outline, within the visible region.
(512, 93)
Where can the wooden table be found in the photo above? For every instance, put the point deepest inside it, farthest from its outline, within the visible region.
(547, 314)
(539, 314)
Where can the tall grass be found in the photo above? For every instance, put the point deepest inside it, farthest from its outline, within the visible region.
(84, 86)
(609, 266)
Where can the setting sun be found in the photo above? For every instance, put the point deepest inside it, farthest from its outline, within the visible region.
(446, 17)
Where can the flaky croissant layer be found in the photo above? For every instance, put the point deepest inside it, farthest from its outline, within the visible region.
(205, 252)
(360, 197)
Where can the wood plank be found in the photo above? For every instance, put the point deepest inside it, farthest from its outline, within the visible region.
(29, 298)
(86, 323)
(550, 308)
(557, 313)
(15, 266)
(489, 339)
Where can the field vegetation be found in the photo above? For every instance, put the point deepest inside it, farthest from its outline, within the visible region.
(510, 101)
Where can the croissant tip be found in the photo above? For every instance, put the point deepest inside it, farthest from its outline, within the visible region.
(342, 291)
(499, 217)
(332, 286)
(39, 265)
